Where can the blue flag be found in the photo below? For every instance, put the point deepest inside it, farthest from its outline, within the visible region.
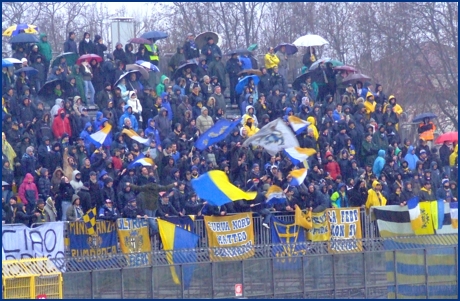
(216, 133)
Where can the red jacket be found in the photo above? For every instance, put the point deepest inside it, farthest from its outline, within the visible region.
(333, 168)
(61, 126)
(25, 186)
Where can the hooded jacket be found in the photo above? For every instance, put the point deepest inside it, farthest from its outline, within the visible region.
(251, 130)
(50, 211)
(135, 104)
(28, 192)
(379, 163)
(162, 123)
(61, 125)
(154, 131)
(203, 123)
(161, 86)
(44, 185)
(149, 194)
(375, 198)
(131, 117)
(339, 199)
(76, 185)
(453, 157)
(45, 48)
(411, 159)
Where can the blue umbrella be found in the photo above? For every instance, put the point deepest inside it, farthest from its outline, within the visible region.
(422, 116)
(154, 35)
(6, 63)
(28, 70)
(244, 81)
(24, 38)
(290, 48)
(148, 65)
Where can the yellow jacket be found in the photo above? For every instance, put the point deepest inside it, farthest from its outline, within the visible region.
(312, 126)
(453, 156)
(375, 198)
(271, 61)
(250, 130)
(397, 108)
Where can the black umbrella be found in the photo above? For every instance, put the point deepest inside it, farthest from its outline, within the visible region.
(240, 51)
(202, 38)
(290, 48)
(315, 77)
(355, 77)
(422, 116)
(124, 75)
(154, 35)
(48, 88)
(28, 70)
(24, 38)
(181, 68)
(70, 58)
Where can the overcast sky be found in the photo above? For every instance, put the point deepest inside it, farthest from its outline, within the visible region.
(130, 6)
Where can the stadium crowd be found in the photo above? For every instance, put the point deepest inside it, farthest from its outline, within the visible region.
(52, 171)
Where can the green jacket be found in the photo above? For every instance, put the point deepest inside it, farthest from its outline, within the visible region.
(45, 48)
(149, 194)
(161, 86)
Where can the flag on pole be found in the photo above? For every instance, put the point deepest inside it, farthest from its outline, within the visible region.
(298, 176)
(133, 135)
(298, 155)
(141, 160)
(98, 138)
(297, 124)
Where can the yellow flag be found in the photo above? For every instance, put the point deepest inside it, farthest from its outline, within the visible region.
(303, 219)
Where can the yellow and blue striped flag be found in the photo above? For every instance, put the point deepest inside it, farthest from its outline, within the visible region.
(89, 218)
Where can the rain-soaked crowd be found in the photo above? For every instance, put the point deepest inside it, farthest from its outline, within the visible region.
(53, 171)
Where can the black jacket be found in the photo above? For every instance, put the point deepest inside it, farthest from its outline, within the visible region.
(70, 46)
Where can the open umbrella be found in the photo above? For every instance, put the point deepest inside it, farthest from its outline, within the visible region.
(124, 75)
(148, 65)
(202, 38)
(290, 48)
(253, 47)
(20, 28)
(422, 116)
(240, 51)
(70, 58)
(315, 77)
(48, 88)
(154, 35)
(244, 81)
(24, 38)
(142, 70)
(447, 137)
(250, 72)
(10, 61)
(139, 41)
(310, 40)
(355, 77)
(346, 68)
(28, 70)
(183, 67)
(316, 64)
(90, 57)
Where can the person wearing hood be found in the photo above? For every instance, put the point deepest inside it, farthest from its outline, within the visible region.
(411, 158)
(375, 196)
(128, 113)
(76, 182)
(99, 46)
(233, 67)
(339, 198)
(104, 96)
(152, 130)
(28, 192)
(162, 123)
(86, 46)
(70, 45)
(161, 87)
(44, 184)
(130, 56)
(135, 104)
(166, 103)
(251, 128)
(50, 210)
(453, 158)
(124, 196)
(177, 59)
(379, 163)
(217, 69)
(74, 213)
(358, 195)
(369, 104)
(396, 197)
(61, 125)
(445, 193)
(44, 48)
(204, 121)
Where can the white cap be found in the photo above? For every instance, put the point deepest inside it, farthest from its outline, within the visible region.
(23, 60)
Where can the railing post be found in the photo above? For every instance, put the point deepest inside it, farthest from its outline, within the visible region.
(242, 277)
(395, 274)
(92, 284)
(273, 276)
(303, 258)
(426, 272)
(182, 286)
(151, 281)
(122, 284)
(212, 280)
(365, 275)
(334, 280)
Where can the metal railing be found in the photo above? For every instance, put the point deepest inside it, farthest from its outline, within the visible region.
(367, 274)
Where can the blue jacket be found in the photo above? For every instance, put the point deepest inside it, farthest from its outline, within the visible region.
(166, 104)
(153, 130)
(411, 159)
(379, 163)
(245, 62)
(97, 121)
(131, 117)
(336, 116)
(85, 136)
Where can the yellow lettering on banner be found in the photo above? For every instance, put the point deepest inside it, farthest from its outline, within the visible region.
(345, 225)
(320, 230)
(233, 236)
(133, 235)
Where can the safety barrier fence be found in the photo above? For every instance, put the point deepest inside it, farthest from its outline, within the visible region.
(262, 236)
(376, 272)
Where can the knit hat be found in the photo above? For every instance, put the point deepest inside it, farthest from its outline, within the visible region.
(445, 181)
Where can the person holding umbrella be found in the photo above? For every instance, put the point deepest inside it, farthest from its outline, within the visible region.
(271, 60)
(426, 129)
(309, 57)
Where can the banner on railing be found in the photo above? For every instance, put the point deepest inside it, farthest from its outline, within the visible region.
(102, 242)
(227, 232)
(345, 226)
(292, 238)
(22, 242)
(133, 235)
(320, 230)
